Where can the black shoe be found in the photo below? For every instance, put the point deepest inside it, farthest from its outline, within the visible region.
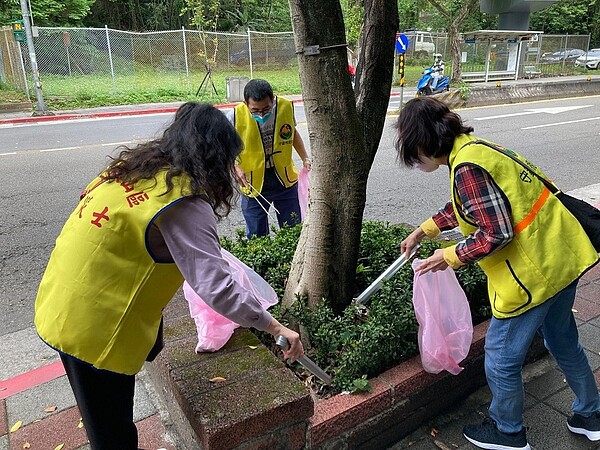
(588, 426)
(488, 436)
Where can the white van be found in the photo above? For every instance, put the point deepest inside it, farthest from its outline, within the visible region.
(420, 43)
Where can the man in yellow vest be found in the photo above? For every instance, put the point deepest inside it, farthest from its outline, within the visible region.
(532, 249)
(265, 169)
(141, 226)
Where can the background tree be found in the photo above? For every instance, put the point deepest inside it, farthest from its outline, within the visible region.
(455, 12)
(48, 13)
(353, 11)
(138, 15)
(345, 128)
(570, 16)
(239, 15)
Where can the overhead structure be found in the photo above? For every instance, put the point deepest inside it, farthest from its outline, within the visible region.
(513, 14)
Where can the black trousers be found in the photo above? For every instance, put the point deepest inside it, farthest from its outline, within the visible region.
(105, 401)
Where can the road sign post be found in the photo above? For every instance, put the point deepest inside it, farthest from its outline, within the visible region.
(18, 29)
(401, 46)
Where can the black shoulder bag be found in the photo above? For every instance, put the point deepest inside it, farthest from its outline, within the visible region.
(587, 215)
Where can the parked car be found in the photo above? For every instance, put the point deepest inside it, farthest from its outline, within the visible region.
(591, 59)
(568, 55)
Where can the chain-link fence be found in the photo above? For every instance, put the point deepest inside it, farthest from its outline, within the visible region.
(102, 60)
(12, 71)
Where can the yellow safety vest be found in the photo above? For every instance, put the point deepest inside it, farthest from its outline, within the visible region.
(102, 294)
(549, 251)
(252, 157)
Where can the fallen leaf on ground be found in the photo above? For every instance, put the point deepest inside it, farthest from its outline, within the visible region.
(441, 445)
(217, 379)
(3, 389)
(16, 426)
(59, 447)
(50, 409)
(434, 432)
(253, 347)
(80, 424)
(26, 445)
(574, 310)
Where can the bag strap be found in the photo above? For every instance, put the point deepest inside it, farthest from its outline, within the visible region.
(526, 164)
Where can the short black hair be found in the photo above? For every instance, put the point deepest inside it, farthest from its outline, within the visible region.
(257, 90)
(426, 124)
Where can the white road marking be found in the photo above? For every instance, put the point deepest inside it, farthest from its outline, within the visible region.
(58, 149)
(6, 154)
(560, 123)
(556, 110)
(110, 144)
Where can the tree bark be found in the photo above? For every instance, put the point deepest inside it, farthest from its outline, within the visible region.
(344, 133)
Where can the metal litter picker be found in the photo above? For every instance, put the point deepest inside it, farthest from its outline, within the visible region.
(306, 362)
(359, 302)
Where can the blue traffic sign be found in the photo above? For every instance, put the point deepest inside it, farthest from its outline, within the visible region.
(401, 44)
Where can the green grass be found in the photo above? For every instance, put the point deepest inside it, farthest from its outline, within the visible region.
(151, 86)
(147, 85)
(11, 95)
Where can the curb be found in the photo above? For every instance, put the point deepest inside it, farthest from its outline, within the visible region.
(96, 115)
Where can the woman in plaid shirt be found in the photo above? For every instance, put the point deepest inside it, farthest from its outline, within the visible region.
(513, 228)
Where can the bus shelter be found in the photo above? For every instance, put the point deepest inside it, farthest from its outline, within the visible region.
(490, 55)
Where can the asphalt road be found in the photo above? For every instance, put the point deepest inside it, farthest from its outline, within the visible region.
(44, 167)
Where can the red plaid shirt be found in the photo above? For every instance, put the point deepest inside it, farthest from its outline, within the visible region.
(484, 204)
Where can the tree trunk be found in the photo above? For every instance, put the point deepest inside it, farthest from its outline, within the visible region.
(343, 140)
(454, 24)
(453, 37)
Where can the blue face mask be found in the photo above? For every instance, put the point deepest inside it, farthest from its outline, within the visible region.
(262, 119)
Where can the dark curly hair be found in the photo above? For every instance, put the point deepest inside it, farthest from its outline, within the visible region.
(427, 125)
(200, 142)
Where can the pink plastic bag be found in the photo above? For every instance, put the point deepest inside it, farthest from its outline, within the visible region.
(214, 330)
(444, 316)
(303, 188)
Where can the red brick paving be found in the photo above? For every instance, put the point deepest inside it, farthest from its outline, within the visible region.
(48, 433)
(590, 291)
(62, 428)
(151, 433)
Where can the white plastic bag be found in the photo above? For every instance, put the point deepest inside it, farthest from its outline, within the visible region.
(445, 325)
(214, 330)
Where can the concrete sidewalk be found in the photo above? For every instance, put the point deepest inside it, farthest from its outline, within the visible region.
(38, 410)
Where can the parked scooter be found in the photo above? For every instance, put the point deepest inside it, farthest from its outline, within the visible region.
(427, 85)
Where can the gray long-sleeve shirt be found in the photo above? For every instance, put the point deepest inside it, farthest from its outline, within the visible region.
(186, 234)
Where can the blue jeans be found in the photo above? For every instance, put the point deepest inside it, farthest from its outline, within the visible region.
(506, 345)
(284, 199)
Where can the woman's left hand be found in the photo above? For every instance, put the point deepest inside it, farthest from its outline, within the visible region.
(307, 164)
(434, 263)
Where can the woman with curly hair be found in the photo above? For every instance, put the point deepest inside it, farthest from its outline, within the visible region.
(145, 224)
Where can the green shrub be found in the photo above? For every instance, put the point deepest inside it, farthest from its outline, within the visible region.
(351, 346)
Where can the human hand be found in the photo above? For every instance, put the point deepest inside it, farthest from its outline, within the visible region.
(411, 241)
(240, 176)
(307, 164)
(295, 349)
(434, 263)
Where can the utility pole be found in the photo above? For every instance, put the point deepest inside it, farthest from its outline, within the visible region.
(41, 106)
